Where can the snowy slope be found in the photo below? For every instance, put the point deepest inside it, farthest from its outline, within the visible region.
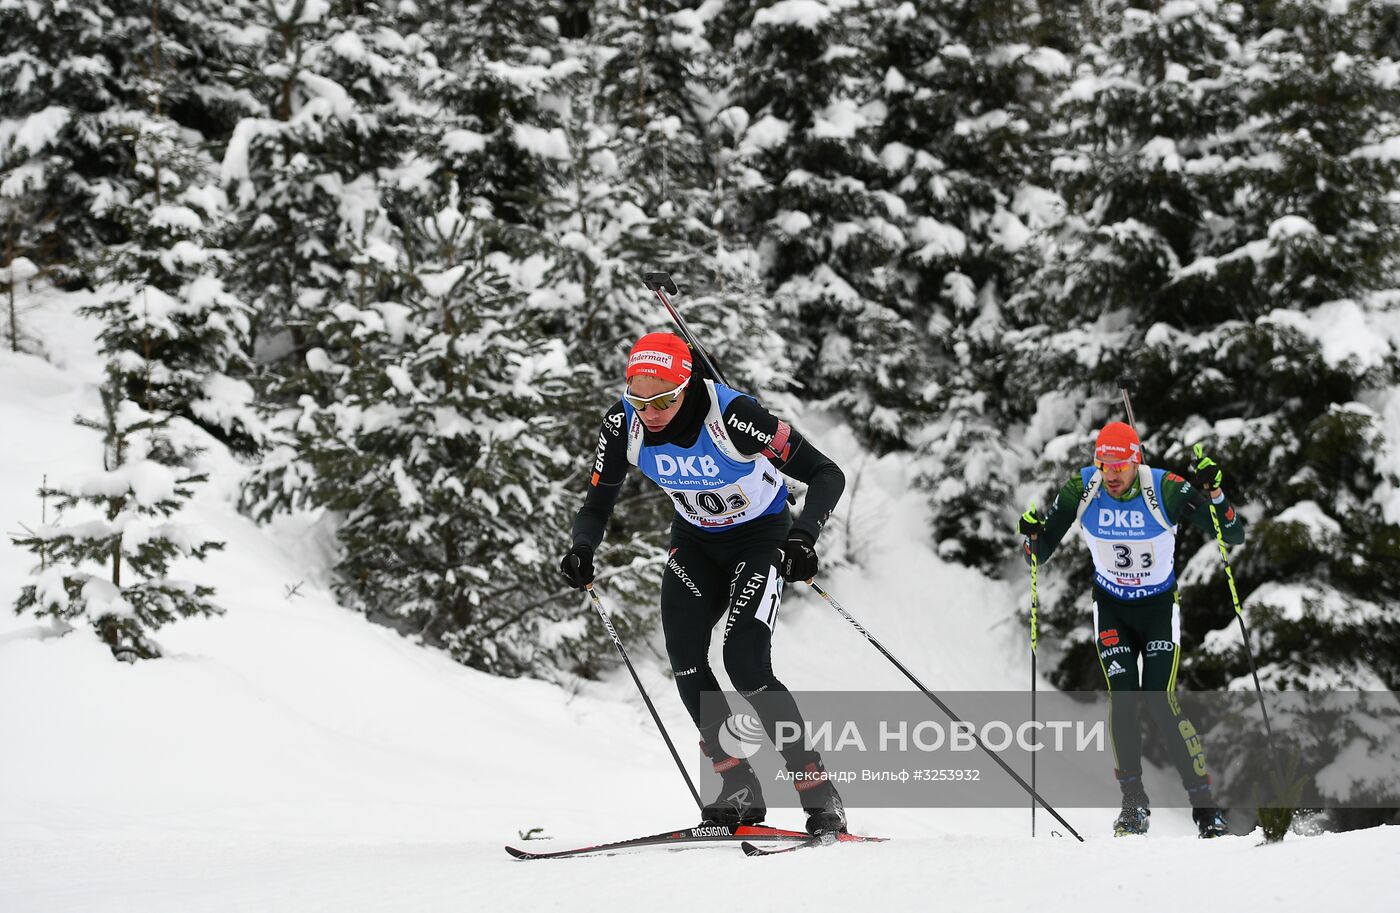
(290, 756)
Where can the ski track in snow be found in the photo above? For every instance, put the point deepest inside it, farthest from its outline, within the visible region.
(1348, 871)
(290, 756)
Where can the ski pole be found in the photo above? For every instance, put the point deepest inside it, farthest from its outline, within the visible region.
(663, 286)
(1126, 387)
(617, 642)
(1199, 452)
(1035, 611)
(941, 706)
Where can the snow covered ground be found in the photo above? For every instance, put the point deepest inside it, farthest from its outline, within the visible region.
(291, 756)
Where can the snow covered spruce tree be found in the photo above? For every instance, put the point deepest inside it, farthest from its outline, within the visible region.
(60, 163)
(825, 235)
(166, 316)
(543, 177)
(439, 452)
(328, 115)
(1141, 108)
(665, 93)
(422, 359)
(655, 66)
(1307, 256)
(72, 78)
(1230, 245)
(107, 558)
(494, 64)
(962, 147)
(610, 214)
(596, 233)
(169, 332)
(174, 334)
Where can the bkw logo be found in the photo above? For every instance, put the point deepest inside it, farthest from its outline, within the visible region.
(1132, 519)
(668, 465)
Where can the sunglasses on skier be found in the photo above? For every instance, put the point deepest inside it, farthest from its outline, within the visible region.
(660, 402)
(1119, 466)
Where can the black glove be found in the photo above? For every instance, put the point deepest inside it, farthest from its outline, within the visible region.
(1208, 475)
(1030, 523)
(577, 566)
(799, 558)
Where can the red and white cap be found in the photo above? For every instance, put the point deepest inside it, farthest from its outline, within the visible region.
(663, 355)
(1118, 443)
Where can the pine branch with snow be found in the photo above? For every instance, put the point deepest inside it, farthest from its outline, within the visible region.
(108, 556)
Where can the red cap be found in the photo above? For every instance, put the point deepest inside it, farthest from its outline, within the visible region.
(663, 355)
(1118, 443)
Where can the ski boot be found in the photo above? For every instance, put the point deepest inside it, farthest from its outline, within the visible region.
(740, 799)
(1133, 819)
(825, 812)
(1210, 820)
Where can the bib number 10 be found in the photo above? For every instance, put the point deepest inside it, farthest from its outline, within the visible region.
(723, 502)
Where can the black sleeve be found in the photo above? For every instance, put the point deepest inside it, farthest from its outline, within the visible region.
(1197, 513)
(605, 479)
(1064, 510)
(754, 430)
(1185, 503)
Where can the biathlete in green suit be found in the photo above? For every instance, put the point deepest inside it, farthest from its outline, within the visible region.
(1128, 514)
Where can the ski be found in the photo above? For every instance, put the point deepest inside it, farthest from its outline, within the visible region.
(700, 833)
(819, 840)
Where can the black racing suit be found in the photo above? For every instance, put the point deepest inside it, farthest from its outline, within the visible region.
(1148, 628)
(733, 572)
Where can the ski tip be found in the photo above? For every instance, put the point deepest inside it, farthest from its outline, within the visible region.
(519, 854)
(751, 850)
(827, 839)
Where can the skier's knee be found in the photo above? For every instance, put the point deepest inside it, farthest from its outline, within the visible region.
(683, 668)
(745, 680)
(747, 677)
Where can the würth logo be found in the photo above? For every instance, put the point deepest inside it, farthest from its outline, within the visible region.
(1109, 637)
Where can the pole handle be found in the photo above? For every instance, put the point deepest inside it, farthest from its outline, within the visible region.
(659, 281)
(1127, 386)
(661, 285)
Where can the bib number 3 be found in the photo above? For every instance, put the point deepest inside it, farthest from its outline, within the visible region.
(1132, 558)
